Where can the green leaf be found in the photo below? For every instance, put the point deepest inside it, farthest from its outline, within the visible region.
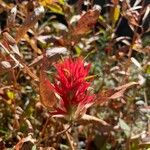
(78, 50)
(56, 8)
(34, 147)
(148, 69)
(116, 14)
(62, 2)
(10, 94)
(123, 125)
(3, 131)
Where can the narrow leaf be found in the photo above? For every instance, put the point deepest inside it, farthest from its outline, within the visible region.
(47, 95)
(123, 125)
(116, 14)
(29, 22)
(86, 22)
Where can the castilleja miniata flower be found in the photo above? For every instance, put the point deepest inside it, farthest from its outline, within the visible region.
(72, 87)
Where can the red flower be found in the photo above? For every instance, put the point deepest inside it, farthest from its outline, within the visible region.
(71, 86)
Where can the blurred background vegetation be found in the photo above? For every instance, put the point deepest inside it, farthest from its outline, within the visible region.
(112, 35)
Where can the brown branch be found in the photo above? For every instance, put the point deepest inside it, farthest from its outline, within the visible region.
(69, 139)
